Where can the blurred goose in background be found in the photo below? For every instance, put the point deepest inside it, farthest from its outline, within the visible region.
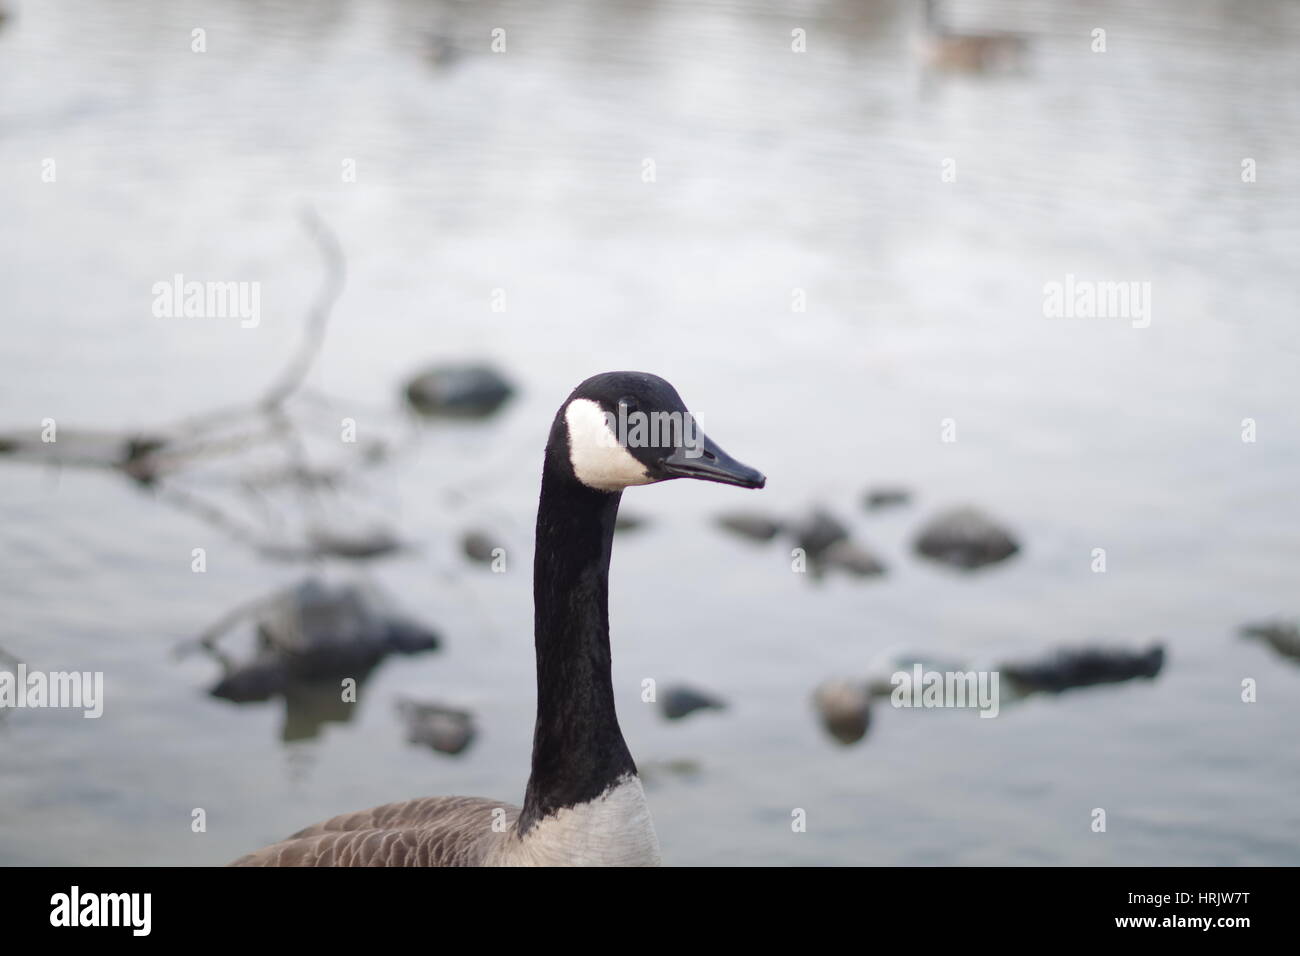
(943, 48)
(584, 804)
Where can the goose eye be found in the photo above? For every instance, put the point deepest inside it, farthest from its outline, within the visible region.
(628, 403)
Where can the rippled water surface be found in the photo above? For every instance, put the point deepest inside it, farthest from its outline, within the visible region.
(774, 172)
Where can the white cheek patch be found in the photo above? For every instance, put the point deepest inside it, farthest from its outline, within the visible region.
(598, 460)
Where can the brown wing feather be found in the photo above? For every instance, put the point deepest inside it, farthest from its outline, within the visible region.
(430, 831)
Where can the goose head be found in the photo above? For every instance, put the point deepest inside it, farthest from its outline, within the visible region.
(620, 429)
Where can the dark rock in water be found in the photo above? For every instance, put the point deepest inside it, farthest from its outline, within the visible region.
(629, 522)
(442, 51)
(314, 615)
(825, 542)
(315, 632)
(356, 546)
(965, 538)
(479, 547)
(845, 709)
(445, 729)
(816, 533)
(849, 557)
(408, 637)
(677, 702)
(1083, 667)
(466, 390)
(139, 459)
(1282, 636)
(259, 679)
(886, 498)
(748, 524)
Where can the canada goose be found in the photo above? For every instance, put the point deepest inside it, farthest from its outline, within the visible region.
(945, 49)
(584, 804)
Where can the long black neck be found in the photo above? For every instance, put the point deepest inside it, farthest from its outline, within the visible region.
(578, 749)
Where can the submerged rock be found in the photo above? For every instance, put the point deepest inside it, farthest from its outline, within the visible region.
(479, 546)
(1083, 667)
(441, 51)
(679, 701)
(965, 538)
(459, 390)
(446, 729)
(825, 540)
(845, 709)
(818, 532)
(259, 679)
(886, 497)
(316, 632)
(849, 557)
(1282, 636)
(353, 545)
(628, 522)
(749, 524)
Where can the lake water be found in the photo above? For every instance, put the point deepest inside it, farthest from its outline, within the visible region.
(776, 174)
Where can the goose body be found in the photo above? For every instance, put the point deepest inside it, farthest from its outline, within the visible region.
(584, 804)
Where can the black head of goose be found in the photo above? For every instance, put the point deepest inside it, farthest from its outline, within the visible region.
(584, 804)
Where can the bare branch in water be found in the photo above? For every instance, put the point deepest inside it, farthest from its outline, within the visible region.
(153, 458)
(313, 335)
(208, 637)
(318, 318)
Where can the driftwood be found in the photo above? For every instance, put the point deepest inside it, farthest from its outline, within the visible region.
(155, 458)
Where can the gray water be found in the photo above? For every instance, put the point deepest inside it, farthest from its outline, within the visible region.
(775, 171)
